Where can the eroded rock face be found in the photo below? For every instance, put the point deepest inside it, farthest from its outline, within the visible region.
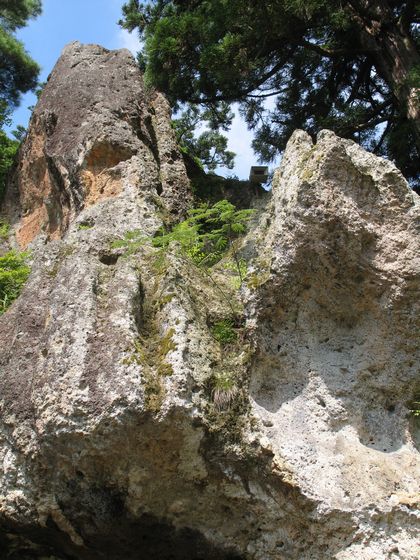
(111, 442)
(94, 133)
(336, 318)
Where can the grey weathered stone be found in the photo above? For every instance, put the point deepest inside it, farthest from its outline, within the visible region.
(110, 443)
(336, 323)
(94, 133)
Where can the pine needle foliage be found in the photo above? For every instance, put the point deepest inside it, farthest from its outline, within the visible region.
(209, 148)
(14, 272)
(8, 151)
(352, 67)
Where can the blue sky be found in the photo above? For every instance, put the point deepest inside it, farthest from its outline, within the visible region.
(95, 21)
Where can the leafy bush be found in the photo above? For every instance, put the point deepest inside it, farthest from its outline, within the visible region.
(8, 150)
(4, 230)
(208, 231)
(13, 274)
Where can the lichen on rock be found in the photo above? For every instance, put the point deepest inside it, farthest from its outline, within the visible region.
(131, 427)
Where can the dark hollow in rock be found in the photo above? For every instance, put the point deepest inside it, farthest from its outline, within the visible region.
(125, 539)
(109, 259)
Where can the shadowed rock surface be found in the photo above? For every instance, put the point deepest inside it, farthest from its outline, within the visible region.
(112, 445)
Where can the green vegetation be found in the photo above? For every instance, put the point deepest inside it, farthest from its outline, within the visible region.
(224, 331)
(414, 406)
(151, 348)
(240, 267)
(208, 232)
(205, 243)
(348, 66)
(204, 237)
(4, 229)
(8, 151)
(150, 351)
(224, 390)
(226, 414)
(209, 149)
(13, 274)
(18, 74)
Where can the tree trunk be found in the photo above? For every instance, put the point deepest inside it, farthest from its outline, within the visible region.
(397, 58)
(394, 54)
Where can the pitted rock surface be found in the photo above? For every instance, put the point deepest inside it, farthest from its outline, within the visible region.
(93, 130)
(111, 445)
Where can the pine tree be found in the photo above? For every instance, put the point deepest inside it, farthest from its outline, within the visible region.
(209, 148)
(18, 72)
(353, 67)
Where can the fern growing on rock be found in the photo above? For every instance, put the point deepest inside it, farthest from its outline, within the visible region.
(204, 237)
(208, 232)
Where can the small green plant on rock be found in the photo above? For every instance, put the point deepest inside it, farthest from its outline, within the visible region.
(133, 241)
(14, 273)
(84, 226)
(240, 267)
(204, 237)
(416, 408)
(224, 332)
(4, 230)
(224, 390)
(150, 351)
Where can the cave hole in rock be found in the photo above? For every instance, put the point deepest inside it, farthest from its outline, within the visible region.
(105, 155)
(145, 538)
(109, 259)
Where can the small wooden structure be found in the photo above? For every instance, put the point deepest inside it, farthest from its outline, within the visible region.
(258, 174)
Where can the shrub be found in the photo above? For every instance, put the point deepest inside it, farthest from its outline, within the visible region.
(13, 274)
(4, 230)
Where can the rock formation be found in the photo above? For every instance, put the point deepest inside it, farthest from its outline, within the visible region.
(111, 443)
(94, 133)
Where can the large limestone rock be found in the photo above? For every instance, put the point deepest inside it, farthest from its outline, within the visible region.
(111, 443)
(336, 328)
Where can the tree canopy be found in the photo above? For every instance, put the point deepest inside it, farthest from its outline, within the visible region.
(209, 148)
(353, 67)
(18, 72)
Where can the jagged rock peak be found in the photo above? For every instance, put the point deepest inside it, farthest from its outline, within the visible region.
(94, 133)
